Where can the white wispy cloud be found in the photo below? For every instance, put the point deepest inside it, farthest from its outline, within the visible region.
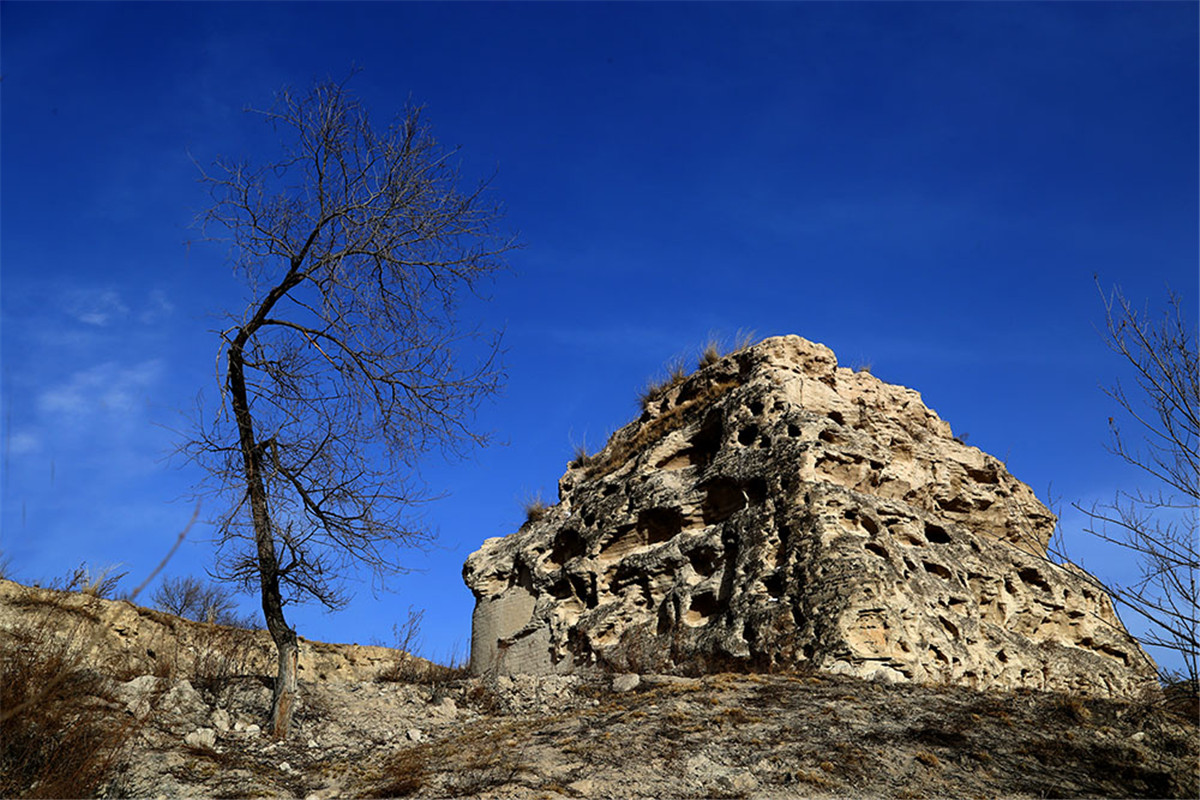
(103, 390)
(22, 443)
(157, 308)
(99, 307)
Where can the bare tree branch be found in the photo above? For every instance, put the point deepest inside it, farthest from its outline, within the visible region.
(349, 363)
(1158, 528)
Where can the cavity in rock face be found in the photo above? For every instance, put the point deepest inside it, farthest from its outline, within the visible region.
(774, 510)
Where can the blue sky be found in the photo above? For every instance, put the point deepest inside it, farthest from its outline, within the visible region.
(927, 188)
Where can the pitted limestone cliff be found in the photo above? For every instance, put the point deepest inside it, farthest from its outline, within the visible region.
(774, 510)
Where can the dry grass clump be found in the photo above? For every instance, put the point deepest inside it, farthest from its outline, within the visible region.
(413, 669)
(714, 349)
(676, 374)
(61, 738)
(535, 509)
(222, 654)
(469, 764)
(582, 457)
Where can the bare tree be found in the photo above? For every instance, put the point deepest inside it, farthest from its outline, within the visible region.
(348, 361)
(197, 600)
(1159, 525)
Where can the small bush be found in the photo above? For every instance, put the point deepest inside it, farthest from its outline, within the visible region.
(100, 582)
(676, 374)
(410, 668)
(199, 601)
(535, 509)
(581, 457)
(222, 654)
(60, 737)
(710, 355)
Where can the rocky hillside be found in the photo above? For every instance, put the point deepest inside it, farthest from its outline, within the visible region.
(388, 725)
(775, 511)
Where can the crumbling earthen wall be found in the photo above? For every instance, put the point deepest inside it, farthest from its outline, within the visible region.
(775, 510)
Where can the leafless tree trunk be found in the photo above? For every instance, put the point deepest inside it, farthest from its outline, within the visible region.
(346, 364)
(1157, 526)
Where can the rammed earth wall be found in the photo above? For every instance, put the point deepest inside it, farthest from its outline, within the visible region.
(774, 510)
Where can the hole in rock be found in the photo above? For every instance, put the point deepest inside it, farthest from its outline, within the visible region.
(703, 606)
(837, 417)
(704, 559)
(723, 498)
(985, 475)
(950, 627)
(748, 434)
(774, 584)
(936, 534)
(660, 524)
(937, 569)
(707, 440)
(756, 408)
(958, 505)
(1032, 577)
(793, 430)
(756, 490)
(568, 544)
(878, 550)
(584, 589)
(870, 525)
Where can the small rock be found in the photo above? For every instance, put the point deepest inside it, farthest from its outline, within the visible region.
(626, 682)
(739, 785)
(1139, 736)
(138, 694)
(201, 737)
(220, 719)
(446, 709)
(285, 767)
(581, 787)
(252, 728)
(312, 743)
(415, 735)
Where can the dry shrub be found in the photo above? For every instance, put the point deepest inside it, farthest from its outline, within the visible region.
(413, 669)
(714, 349)
(535, 509)
(710, 355)
(676, 374)
(410, 668)
(582, 457)
(61, 736)
(222, 654)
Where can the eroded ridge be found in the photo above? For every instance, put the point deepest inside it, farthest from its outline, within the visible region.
(774, 510)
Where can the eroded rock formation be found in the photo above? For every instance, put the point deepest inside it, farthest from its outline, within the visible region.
(774, 510)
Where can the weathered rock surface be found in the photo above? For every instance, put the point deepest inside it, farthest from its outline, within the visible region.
(774, 510)
(122, 638)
